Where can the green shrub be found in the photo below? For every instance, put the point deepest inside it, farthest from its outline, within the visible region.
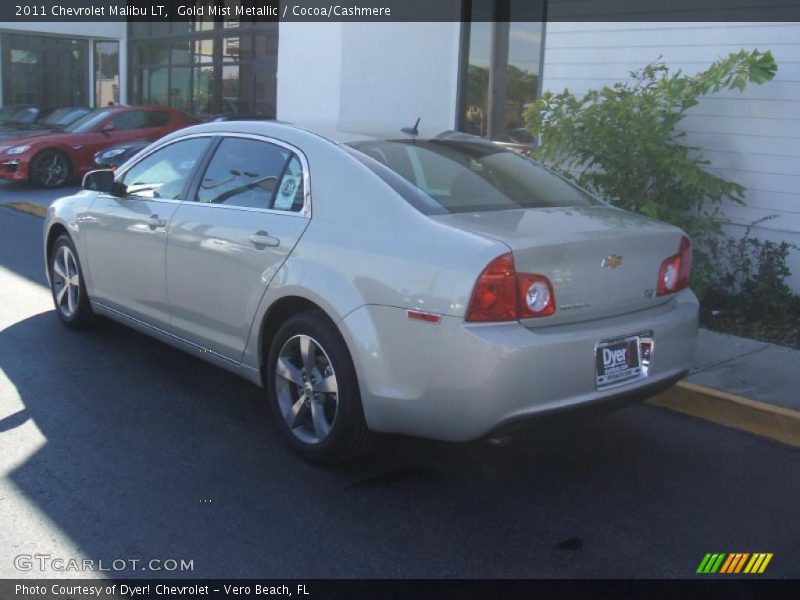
(621, 143)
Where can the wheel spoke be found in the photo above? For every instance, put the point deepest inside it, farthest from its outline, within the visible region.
(293, 416)
(321, 427)
(60, 293)
(326, 384)
(288, 371)
(65, 259)
(308, 352)
(72, 298)
(59, 271)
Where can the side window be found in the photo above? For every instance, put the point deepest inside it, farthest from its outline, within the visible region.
(157, 119)
(252, 174)
(290, 193)
(164, 173)
(133, 119)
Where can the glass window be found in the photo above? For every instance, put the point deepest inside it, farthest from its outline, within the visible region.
(43, 70)
(180, 89)
(89, 122)
(221, 69)
(290, 194)
(165, 172)
(465, 176)
(156, 118)
(182, 53)
(133, 119)
(61, 117)
(106, 73)
(501, 77)
(203, 51)
(247, 173)
(203, 91)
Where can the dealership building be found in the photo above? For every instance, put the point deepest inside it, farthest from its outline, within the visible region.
(473, 76)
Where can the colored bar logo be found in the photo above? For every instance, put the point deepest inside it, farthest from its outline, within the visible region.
(734, 563)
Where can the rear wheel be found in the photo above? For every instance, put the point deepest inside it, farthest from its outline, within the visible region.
(313, 391)
(66, 284)
(50, 169)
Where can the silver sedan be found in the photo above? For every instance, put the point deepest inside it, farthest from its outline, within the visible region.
(430, 285)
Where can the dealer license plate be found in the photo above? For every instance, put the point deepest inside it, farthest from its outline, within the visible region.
(618, 360)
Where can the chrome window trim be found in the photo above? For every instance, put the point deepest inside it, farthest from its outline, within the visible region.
(305, 212)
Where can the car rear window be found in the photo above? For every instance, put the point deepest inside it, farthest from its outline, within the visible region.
(470, 176)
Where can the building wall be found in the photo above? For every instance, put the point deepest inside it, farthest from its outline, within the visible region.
(368, 74)
(751, 137)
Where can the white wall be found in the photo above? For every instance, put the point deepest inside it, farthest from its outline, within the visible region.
(368, 75)
(751, 137)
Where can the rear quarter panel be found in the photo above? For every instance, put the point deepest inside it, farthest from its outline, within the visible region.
(367, 246)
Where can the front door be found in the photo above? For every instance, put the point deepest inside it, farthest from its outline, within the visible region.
(127, 237)
(227, 243)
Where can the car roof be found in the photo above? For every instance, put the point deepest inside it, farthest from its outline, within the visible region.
(333, 132)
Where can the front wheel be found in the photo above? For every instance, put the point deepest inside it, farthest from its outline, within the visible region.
(66, 284)
(50, 169)
(313, 391)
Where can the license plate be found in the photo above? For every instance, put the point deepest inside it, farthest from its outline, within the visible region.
(618, 360)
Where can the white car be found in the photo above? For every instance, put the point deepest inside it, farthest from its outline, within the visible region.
(437, 286)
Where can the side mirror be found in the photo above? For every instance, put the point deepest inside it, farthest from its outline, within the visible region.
(102, 180)
(107, 128)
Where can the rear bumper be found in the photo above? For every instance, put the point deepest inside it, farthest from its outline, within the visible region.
(457, 381)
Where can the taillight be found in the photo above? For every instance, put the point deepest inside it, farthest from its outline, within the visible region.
(502, 295)
(676, 270)
(536, 296)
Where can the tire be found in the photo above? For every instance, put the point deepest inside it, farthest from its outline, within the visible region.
(50, 169)
(320, 425)
(67, 286)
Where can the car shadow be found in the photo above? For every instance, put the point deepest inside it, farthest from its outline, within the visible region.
(18, 191)
(152, 454)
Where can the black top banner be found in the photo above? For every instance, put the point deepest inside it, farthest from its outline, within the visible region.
(400, 10)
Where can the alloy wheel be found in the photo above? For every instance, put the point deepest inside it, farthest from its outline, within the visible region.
(307, 389)
(52, 170)
(66, 281)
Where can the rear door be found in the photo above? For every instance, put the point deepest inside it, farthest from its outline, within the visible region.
(228, 240)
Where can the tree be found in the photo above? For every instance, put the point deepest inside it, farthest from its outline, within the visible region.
(621, 142)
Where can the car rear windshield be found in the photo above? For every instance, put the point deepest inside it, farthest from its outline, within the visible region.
(469, 176)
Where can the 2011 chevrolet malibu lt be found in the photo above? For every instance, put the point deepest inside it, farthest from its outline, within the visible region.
(438, 286)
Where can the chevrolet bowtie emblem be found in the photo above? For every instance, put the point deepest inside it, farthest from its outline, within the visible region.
(611, 262)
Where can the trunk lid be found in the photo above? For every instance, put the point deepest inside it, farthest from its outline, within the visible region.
(602, 261)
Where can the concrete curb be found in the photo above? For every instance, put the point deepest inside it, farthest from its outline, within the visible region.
(734, 411)
(30, 208)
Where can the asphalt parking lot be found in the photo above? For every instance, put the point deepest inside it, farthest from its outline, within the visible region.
(114, 446)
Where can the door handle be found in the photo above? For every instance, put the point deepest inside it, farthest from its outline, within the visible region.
(261, 239)
(154, 222)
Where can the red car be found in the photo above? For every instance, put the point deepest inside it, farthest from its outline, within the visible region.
(50, 159)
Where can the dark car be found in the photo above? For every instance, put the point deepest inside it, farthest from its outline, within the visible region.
(112, 157)
(53, 120)
(52, 158)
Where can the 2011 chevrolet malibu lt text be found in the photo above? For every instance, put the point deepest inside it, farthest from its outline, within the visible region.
(431, 285)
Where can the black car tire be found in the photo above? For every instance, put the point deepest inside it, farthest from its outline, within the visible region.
(78, 314)
(348, 436)
(50, 169)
